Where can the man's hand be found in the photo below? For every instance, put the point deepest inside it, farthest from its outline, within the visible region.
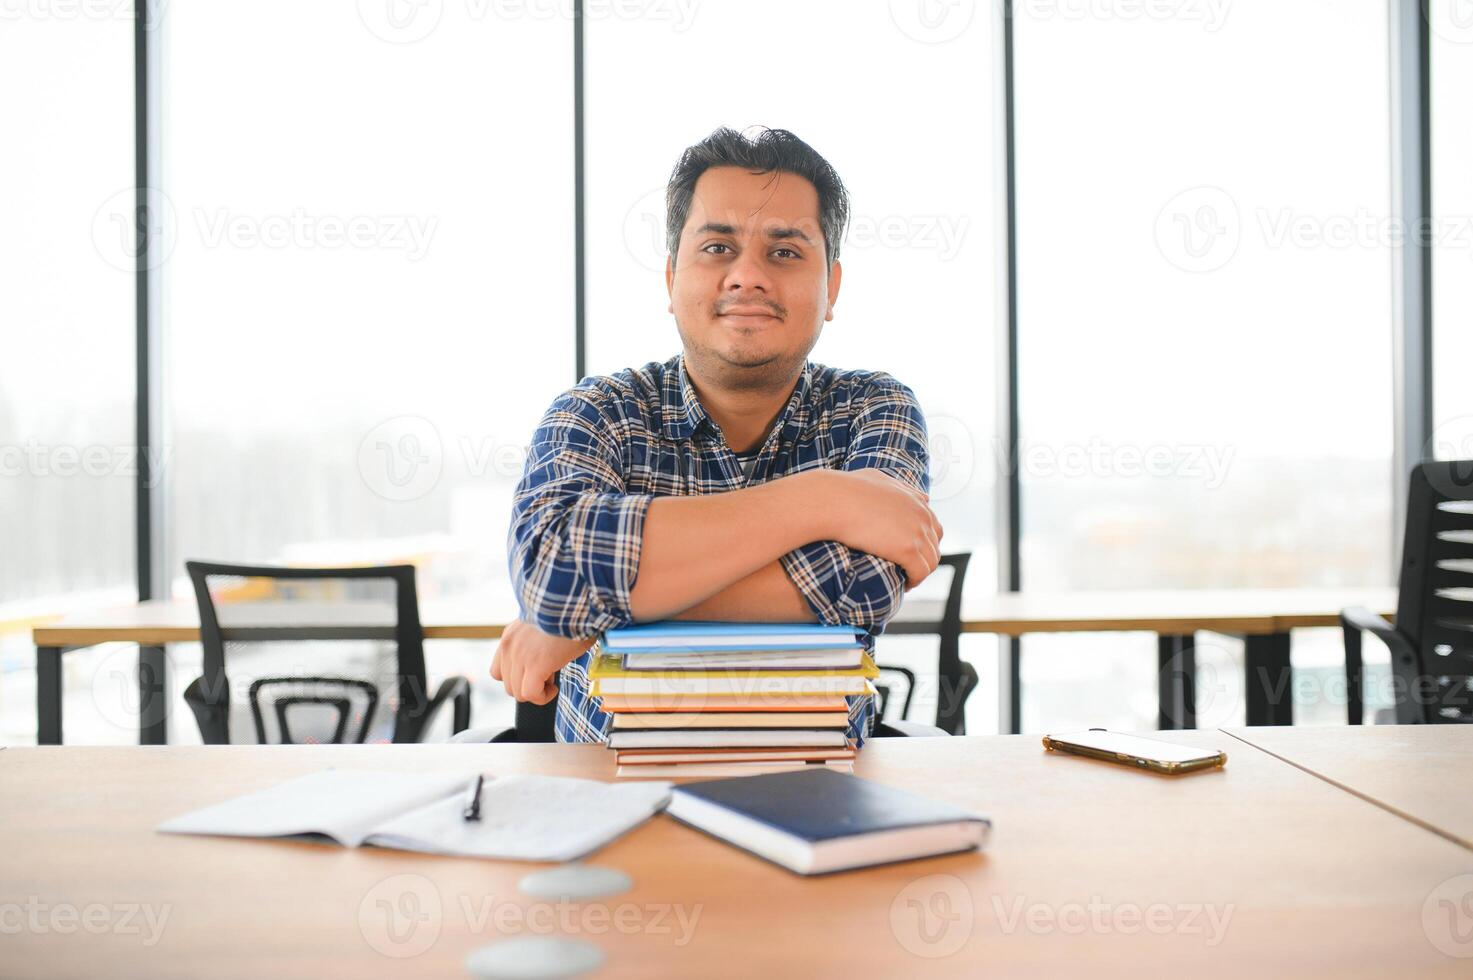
(527, 661)
(880, 514)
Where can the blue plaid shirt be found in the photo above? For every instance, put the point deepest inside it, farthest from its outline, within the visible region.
(608, 446)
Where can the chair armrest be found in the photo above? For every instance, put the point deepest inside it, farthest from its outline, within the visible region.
(1358, 619)
(1361, 618)
(212, 716)
(458, 691)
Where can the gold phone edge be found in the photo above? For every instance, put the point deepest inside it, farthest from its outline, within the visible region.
(1135, 762)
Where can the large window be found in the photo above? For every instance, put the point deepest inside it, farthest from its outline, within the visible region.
(1204, 309)
(1452, 249)
(66, 330)
(902, 107)
(369, 286)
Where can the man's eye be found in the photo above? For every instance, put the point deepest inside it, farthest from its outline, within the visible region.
(788, 250)
(714, 245)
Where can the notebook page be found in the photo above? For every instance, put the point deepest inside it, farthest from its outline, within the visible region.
(345, 804)
(528, 818)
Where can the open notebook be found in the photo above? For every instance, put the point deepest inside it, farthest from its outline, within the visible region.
(527, 818)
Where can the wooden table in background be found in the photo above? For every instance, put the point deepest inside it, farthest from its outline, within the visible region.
(1263, 617)
(1260, 869)
(1433, 790)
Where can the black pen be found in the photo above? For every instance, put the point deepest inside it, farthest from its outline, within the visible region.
(473, 803)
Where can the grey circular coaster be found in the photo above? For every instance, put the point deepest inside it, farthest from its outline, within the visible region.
(575, 882)
(533, 958)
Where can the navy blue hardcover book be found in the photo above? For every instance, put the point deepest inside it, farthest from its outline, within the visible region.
(814, 821)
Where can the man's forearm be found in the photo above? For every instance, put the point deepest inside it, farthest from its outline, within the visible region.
(767, 595)
(693, 547)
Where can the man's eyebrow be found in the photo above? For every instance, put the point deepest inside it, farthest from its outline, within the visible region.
(774, 234)
(778, 233)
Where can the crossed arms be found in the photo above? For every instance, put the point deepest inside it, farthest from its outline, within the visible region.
(832, 545)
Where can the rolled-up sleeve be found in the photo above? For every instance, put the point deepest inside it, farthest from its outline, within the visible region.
(575, 536)
(854, 588)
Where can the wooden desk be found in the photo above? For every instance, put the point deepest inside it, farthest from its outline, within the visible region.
(1258, 870)
(1432, 791)
(1263, 617)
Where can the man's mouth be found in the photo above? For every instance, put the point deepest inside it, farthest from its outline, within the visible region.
(749, 313)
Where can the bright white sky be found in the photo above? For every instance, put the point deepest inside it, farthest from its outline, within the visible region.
(66, 317)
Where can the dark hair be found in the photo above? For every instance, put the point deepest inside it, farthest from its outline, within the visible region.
(769, 151)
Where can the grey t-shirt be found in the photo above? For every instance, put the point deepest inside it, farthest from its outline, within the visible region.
(746, 463)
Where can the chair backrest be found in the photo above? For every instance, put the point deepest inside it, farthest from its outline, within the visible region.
(319, 613)
(957, 678)
(949, 622)
(1435, 605)
(951, 616)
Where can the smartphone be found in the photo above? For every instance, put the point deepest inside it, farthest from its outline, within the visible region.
(1135, 751)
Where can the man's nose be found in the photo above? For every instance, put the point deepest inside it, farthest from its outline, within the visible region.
(747, 272)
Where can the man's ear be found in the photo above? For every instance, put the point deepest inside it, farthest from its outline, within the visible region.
(836, 272)
(670, 282)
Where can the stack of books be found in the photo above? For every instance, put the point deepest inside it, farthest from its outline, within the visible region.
(727, 699)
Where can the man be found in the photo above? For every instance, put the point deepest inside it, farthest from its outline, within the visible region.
(737, 481)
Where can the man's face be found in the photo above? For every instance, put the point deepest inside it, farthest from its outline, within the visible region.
(751, 287)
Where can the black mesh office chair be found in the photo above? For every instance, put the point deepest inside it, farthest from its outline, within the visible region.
(1432, 641)
(957, 678)
(300, 625)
